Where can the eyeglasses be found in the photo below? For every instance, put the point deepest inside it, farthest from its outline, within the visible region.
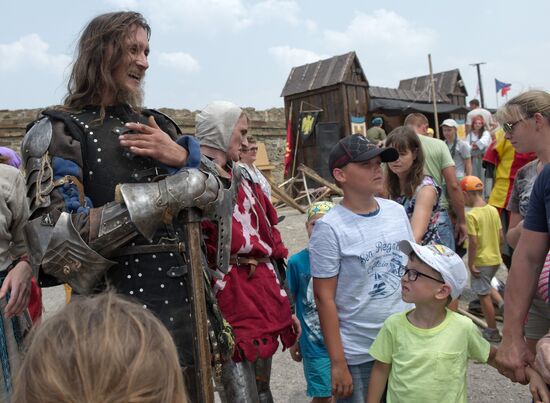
(412, 275)
(509, 127)
(245, 150)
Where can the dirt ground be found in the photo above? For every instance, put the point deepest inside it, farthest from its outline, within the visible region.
(485, 384)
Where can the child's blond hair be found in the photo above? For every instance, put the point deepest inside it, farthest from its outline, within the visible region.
(101, 349)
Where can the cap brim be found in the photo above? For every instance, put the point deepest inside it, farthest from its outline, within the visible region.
(387, 154)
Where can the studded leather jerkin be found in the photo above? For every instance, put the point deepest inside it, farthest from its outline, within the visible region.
(156, 280)
(106, 165)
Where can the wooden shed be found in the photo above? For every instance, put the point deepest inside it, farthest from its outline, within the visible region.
(415, 95)
(337, 89)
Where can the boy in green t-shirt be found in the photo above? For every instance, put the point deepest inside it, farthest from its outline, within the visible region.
(484, 237)
(423, 353)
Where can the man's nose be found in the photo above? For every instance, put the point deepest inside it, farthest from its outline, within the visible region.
(142, 61)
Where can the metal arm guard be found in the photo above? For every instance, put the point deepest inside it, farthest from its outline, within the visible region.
(150, 204)
(38, 171)
(63, 254)
(146, 207)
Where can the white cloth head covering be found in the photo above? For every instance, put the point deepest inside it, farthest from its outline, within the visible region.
(215, 124)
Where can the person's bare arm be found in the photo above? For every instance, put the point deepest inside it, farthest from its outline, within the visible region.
(377, 383)
(324, 290)
(513, 355)
(514, 229)
(537, 386)
(457, 201)
(468, 166)
(425, 200)
(472, 252)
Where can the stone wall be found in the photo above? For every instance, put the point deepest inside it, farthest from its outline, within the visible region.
(268, 126)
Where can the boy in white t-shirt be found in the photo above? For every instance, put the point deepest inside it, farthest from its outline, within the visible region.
(356, 264)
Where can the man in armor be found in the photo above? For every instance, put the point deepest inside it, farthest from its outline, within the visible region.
(251, 294)
(107, 181)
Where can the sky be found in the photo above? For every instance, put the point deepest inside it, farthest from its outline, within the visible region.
(243, 50)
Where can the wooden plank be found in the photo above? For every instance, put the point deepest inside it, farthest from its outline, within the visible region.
(283, 196)
(322, 181)
(475, 319)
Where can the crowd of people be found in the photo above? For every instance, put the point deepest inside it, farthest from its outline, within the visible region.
(109, 197)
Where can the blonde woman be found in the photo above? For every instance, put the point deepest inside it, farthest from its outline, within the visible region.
(525, 120)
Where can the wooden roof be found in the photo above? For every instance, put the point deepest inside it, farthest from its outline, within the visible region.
(322, 73)
(446, 83)
(406, 95)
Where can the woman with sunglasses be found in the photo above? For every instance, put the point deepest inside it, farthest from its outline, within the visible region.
(525, 120)
(248, 156)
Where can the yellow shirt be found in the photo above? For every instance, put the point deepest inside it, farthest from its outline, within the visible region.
(484, 223)
(429, 365)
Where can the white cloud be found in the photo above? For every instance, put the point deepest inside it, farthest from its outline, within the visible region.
(285, 10)
(124, 4)
(288, 57)
(383, 31)
(180, 61)
(30, 50)
(213, 16)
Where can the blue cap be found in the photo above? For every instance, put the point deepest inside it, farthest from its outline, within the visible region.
(377, 121)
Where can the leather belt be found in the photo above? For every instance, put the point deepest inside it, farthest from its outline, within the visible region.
(248, 261)
(149, 249)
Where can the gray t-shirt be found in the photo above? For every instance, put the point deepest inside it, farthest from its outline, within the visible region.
(460, 151)
(523, 185)
(363, 253)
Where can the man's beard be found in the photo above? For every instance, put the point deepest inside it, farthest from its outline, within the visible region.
(134, 98)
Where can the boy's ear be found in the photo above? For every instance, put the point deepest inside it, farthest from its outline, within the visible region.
(444, 292)
(339, 174)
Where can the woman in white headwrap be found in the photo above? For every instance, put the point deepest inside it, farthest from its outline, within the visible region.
(250, 294)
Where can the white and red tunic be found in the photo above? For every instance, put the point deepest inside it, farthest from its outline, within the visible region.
(255, 305)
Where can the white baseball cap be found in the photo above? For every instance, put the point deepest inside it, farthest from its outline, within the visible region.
(449, 122)
(443, 260)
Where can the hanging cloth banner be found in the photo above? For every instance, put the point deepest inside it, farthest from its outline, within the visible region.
(308, 120)
(289, 144)
(358, 125)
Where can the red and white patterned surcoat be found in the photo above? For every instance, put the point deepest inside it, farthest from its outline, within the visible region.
(256, 306)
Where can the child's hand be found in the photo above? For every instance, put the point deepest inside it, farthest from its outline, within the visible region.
(537, 387)
(295, 352)
(296, 326)
(342, 384)
(475, 272)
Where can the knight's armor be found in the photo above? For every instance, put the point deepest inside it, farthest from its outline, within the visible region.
(89, 232)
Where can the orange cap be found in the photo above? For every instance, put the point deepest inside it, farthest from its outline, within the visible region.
(471, 183)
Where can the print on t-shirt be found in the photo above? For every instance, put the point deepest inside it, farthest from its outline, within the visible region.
(384, 268)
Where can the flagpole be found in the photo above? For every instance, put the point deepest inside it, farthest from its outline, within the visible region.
(496, 96)
(479, 82)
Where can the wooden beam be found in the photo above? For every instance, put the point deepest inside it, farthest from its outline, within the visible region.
(284, 197)
(481, 323)
(322, 181)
